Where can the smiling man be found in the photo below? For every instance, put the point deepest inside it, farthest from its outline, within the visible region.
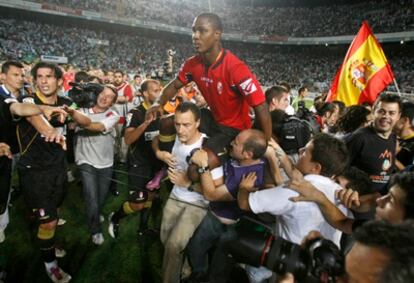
(372, 149)
(225, 82)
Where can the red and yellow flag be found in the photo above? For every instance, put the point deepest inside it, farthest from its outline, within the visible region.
(364, 73)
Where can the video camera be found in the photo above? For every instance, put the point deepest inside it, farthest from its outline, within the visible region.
(85, 94)
(320, 261)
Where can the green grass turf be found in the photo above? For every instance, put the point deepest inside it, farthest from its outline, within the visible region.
(129, 258)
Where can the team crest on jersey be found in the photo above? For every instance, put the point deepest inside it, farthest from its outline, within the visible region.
(219, 88)
(248, 86)
(360, 72)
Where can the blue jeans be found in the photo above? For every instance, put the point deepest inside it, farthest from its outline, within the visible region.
(210, 232)
(96, 184)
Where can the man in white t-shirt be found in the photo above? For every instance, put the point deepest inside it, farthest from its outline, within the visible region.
(94, 156)
(186, 206)
(323, 158)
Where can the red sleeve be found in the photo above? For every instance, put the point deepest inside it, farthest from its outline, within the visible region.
(247, 85)
(183, 74)
(128, 93)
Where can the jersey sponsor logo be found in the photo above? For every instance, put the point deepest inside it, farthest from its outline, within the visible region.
(219, 88)
(387, 157)
(29, 100)
(248, 86)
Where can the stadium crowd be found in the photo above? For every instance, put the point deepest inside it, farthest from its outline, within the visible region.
(326, 171)
(137, 54)
(384, 16)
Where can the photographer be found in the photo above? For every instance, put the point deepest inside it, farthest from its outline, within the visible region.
(94, 152)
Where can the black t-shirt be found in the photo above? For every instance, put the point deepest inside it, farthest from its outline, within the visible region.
(374, 155)
(35, 151)
(141, 151)
(7, 126)
(406, 153)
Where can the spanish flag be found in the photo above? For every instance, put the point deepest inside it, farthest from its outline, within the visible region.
(364, 73)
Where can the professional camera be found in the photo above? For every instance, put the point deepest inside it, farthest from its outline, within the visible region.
(85, 94)
(320, 261)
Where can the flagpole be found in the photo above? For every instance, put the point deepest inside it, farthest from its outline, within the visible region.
(396, 86)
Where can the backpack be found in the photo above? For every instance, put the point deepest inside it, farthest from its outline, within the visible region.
(294, 134)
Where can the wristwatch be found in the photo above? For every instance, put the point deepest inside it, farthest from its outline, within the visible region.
(202, 170)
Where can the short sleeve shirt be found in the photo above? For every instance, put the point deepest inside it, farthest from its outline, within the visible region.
(228, 86)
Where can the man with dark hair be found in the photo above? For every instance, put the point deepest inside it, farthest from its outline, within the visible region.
(186, 206)
(302, 99)
(382, 253)
(277, 97)
(294, 221)
(42, 165)
(318, 167)
(142, 163)
(125, 95)
(226, 83)
(404, 129)
(10, 109)
(372, 149)
(13, 77)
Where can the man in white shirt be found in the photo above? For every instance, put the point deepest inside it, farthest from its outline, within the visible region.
(322, 158)
(94, 156)
(185, 207)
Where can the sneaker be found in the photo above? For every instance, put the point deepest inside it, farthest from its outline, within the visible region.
(101, 218)
(2, 236)
(57, 275)
(113, 228)
(155, 182)
(98, 239)
(61, 222)
(71, 178)
(59, 252)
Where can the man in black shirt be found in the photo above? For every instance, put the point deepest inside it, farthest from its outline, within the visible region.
(42, 165)
(405, 131)
(142, 163)
(372, 149)
(10, 110)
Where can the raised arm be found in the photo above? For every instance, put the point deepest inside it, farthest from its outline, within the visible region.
(167, 93)
(132, 134)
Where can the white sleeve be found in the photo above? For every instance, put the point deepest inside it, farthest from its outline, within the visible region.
(217, 173)
(275, 200)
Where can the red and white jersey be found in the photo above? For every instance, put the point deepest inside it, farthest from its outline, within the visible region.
(228, 86)
(125, 90)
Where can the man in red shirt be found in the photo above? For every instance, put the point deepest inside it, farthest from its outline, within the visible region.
(125, 95)
(226, 83)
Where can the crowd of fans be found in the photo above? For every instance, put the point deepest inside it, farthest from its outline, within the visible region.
(383, 16)
(26, 40)
(229, 152)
